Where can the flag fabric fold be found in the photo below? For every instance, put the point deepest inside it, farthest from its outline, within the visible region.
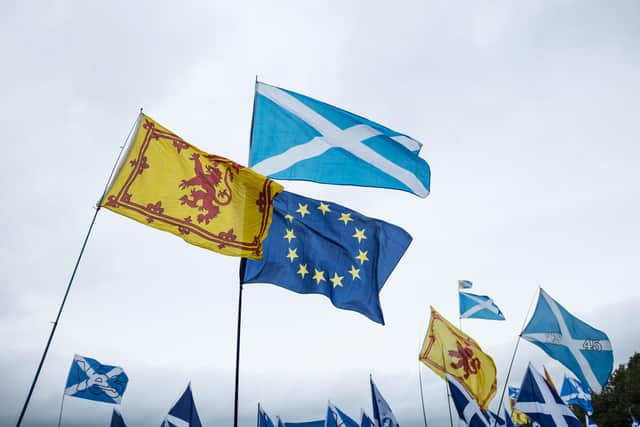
(382, 413)
(116, 419)
(323, 248)
(299, 138)
(207, 200)
(574, 392)
(474, 306)
(448, 350)
(91, 380)
(263, 418)
(345, 420)
(466, 406)
(539, 400)
(583, 349)
(184, 412)
(365, 420)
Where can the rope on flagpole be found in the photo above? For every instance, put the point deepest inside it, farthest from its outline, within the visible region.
(506, 381)
(424, 412)
(73, 274)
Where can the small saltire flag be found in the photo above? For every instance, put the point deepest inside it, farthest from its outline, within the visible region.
(344, 419)
(207, 200)
(263, 418)
(575, 392)
(89, 379)
(541, 402)
(478, 307)
(324, 248)
(116, 419)
(299, 138)
(381, 410)
(466, 406)
(448, 350)
(583, 349)
(464, 284)
(183, 413)
(366, 421)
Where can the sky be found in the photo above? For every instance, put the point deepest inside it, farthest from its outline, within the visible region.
(528, 112)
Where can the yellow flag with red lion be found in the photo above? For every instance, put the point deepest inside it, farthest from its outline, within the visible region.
(448, 350)
(207, 200)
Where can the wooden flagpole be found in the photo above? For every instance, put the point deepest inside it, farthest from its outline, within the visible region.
(73, 274)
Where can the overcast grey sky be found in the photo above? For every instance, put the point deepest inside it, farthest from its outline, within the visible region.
(528, 112)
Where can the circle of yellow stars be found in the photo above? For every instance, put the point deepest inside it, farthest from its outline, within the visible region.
(320, 275)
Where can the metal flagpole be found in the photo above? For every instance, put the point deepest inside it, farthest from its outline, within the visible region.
(243, 262)
(73, 274)
(424, 413)
(60, 416)
(506, 381)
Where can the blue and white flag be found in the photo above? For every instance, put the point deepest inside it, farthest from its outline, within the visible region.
(634, 422)
(345, 420)
(478, 307)
(381, 410)
(299, 138)
(116, 419)
(281, 424)
(583, 349)
(183, 413)
(495, 420)
(320, 423)
(332, 418)
(467, 408)
(317, 247)
(539, 400)
(575, 393)
(89, 379)
(464, 284)
(366, 421)
(263, 418)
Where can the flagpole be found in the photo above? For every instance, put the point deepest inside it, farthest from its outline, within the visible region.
(424, 413)
(506, 381)
(60, 416)
(73, 274)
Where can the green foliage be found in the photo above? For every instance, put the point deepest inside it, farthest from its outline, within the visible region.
(621, 394)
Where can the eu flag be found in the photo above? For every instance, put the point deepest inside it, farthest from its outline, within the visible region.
(319, 247)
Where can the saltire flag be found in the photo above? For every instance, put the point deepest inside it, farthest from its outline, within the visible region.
(281, 424)
(583, 349)
(517, 416)
(382, 413)
(448, 350)
(575, 393)
(295, 137)
(320, 423)
(345, 420)
(318, 247)
(332, 418)
(263, 418)
(466, 406)
(464, 284)
(91, 380)
(116, 419)
(366, 421)
(183, 413)
(207, 200)
(478, 307)
(494, 419)
(541, 402)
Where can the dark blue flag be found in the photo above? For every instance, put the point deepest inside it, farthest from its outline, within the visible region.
(183, 413)
(117, 420)
(317, 247)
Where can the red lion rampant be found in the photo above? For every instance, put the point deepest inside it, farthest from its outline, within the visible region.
(209, 198)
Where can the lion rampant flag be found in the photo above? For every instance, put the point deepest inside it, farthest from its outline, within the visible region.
(207, 200)
(448, 350)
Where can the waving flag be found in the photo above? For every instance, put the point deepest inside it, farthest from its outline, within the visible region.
(464, 284)
(183, 413)
(583, 349)
(320, 423)
(263, 418)
(323, 248)
(478, 307)
(209, 201)
(345, 420)
(466, 406)
(366, 421)
(299, 138)
(116, 419)
(89, 379)
(576, 393)
(381, 410)
(448, 350)
(541, 402)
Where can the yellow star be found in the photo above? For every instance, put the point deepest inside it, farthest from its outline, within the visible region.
(324, 207)
(303, 209)
(345, 217)
(289, 235)
(292, 254)
(318, 276)
(302, 270)
(336, 280)
(355, 272)
(359, 235)
(289, 217)
(362, 256)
